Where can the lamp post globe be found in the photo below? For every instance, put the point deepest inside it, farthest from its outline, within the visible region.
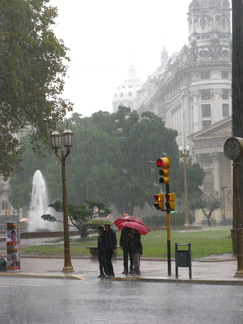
(68, 137)
(56, 140)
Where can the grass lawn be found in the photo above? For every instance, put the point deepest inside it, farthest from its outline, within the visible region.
(204, 242)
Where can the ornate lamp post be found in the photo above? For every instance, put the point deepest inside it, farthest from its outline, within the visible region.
(56, 140)
(184, 154)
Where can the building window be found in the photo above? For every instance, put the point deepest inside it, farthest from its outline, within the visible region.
(225, 110)
(225, 74)
(130, 94)
(225, 53)
(204, 53)
(121, 94)
(205, 94)
(203, 22)
(225, 94)
(206, 110)
(4, 204)
(205, 75)
(206, 123)
(206, 158)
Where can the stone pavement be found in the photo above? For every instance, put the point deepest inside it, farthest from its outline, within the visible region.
(221, 271)
(214, 269)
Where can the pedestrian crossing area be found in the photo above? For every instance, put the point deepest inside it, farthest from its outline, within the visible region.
(7, 282)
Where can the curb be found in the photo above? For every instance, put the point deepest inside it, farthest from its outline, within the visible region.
(141, 279)
(41, 275)
(184, 281)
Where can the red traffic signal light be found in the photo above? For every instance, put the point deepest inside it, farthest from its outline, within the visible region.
(164, 164)
(160, 201)
(171, 201)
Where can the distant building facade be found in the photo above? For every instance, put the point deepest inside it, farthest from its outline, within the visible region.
(126, 93)
(192, 94)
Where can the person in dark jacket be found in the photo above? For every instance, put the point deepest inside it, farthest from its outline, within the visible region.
(110, 249)
(101, 251)
(136, 249)
(125, 243)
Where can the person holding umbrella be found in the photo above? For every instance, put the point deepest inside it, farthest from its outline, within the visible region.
(136, 249)
(110, 249)
(125, 244)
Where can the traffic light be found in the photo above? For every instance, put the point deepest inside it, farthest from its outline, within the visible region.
(164, 164)
(171, 201)
(160, 205)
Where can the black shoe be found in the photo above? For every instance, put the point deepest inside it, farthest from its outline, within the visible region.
(131, 271)
(109, 276)
(101, 276)
(125, 272)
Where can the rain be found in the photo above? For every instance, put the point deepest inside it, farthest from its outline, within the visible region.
(182, 113)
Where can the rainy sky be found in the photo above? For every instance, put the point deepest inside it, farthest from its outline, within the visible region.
(105, 36)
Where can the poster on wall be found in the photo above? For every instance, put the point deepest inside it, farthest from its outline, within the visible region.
(12, 243)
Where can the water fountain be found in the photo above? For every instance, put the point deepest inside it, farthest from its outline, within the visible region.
(39, 205)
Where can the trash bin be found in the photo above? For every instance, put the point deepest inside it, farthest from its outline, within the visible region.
(3, 265)
(183, 257)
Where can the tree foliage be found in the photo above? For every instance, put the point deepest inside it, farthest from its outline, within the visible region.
(207, 203)
(80, 214)
(31, 79)
(113, 161)
(116, 161)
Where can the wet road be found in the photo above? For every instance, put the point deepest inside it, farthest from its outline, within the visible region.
(42, 300)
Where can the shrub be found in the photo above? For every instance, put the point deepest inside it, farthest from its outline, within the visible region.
(176, 219)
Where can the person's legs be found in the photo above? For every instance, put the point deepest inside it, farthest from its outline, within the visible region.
(109, 266)
(136, 261)
(131, 263)
(125, 261)
(101, 259)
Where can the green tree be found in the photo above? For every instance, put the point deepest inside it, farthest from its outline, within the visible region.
(32, 78)
(207, 203)
(21, 181)
(195, 177)
(113, 160)
(116, 161)
(80, 214)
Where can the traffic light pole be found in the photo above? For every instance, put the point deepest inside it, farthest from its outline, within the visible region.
(164, 164)
(168, 233)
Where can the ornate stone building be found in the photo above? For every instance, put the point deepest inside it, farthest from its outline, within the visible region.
(208, 150)
(192, 94)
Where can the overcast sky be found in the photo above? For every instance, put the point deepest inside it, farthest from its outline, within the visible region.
(104, 36)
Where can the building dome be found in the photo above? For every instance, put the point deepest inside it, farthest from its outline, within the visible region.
(126, 93)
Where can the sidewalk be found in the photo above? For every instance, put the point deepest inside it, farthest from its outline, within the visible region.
(208, 272)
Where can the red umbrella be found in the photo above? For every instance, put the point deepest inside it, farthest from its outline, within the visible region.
(24, 220)
(118, 222)
(142, 229)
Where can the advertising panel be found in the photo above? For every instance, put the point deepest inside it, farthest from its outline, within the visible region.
(12, 243)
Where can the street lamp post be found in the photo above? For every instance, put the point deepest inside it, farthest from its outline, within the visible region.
(184, 154)
(56, 140)
(238, 221)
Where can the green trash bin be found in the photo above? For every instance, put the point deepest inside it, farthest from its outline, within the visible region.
(183, 257)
